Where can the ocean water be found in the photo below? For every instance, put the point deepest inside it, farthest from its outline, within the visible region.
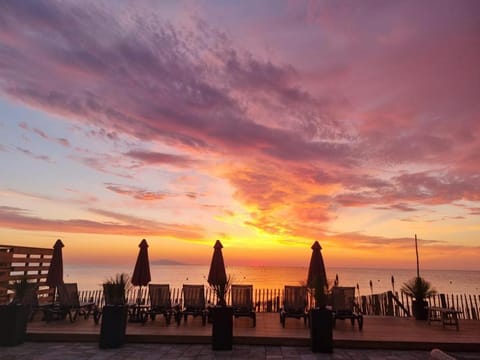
(444, 281)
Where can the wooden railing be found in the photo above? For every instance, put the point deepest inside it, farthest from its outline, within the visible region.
(400, 304)
(270, 300)
(265, 300)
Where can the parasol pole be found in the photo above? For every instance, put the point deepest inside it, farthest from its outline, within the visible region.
(359, 297)
(139, 295)
(416, 251)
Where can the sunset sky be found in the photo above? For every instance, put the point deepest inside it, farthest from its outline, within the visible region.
(265, 124)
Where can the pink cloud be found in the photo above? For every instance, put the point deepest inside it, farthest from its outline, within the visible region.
(180, 231)
(136, 193)
(33, 155)
(154, 158)
(399, 206)
(474, 211)
(105, 163)
(62, 141)
(20, 219)
(16, 218)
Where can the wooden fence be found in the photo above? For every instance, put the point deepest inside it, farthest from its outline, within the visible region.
(19, 262)
(270, 300)
(400, 304)
(265, 300)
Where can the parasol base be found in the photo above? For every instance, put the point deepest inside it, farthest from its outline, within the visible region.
(13, 324)
(222, 328)
(321, 330)
(113, 328)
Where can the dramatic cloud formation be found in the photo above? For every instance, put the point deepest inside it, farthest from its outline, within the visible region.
(280, 125)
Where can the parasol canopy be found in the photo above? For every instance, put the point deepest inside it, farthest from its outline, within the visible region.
(141, 273)
(316, 270)
(55, 271)
(217, 274)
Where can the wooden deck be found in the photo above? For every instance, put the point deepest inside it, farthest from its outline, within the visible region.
(378, 333)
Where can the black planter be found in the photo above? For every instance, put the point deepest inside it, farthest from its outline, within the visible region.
(222, 328)
(13, 324)
(114, 325)
(321, 330)
(420, 309)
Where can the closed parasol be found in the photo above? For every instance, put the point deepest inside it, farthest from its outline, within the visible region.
(317, 276)
(316, 270)
(55, 271)
(141, 274)
(217, 276)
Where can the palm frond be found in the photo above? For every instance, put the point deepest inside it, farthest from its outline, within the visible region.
(418, 288)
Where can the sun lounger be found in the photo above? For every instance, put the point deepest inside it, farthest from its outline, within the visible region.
(193, 303)
(294, 304)
(344, 306)
(242, 302)
(69, 304)
(160, 302)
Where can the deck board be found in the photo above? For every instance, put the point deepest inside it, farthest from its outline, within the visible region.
(378, 332)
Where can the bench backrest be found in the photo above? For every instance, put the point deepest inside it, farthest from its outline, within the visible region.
(242, 296)
(343, 298)
(295, 298)
(159, 296)
(68, 295)
(193, 296)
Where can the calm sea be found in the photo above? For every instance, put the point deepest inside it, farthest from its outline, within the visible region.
(445, 281)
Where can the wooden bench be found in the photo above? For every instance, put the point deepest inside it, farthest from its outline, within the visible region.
(448, 317)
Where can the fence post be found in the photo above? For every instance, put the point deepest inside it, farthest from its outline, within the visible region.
(389, 303)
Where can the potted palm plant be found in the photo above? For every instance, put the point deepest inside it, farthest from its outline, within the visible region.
(14, 316)
(115, 312)
(419, 290)
(321, 319)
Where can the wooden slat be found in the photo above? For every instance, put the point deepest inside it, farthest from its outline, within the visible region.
(30, 259)
(27, 250)
(27, 276)
(30, 268)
